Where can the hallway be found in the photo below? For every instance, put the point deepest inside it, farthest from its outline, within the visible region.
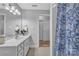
(41, 51)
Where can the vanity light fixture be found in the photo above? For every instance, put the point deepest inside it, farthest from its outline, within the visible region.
(12, 9)
(17, 12)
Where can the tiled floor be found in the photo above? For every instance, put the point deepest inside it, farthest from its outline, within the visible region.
(41, 51)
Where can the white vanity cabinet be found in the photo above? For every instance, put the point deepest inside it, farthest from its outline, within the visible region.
(15, 47)
(23, 48)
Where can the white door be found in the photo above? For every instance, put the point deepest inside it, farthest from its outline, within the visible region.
(44, 30)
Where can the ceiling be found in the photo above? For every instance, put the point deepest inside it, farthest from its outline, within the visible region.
(35, 6)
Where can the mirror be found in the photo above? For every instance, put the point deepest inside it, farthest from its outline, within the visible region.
(1, 24)
(11, 19)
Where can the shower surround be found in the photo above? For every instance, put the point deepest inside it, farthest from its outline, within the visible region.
(67, 30)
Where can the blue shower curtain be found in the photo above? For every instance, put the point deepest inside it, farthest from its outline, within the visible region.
(67, 30)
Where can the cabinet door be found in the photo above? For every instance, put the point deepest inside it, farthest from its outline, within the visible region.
(26, 46)
(20, 50)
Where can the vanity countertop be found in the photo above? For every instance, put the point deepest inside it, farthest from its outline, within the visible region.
(15, 42)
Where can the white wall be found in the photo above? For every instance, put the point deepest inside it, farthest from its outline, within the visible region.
(53, 18)
(31, 17)
(11, 22)
(32, 28)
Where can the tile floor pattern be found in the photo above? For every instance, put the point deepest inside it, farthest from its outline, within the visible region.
(41, 51)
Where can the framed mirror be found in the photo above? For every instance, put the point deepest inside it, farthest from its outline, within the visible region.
(10, 17)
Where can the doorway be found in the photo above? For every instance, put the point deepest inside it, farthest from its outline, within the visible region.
(44, 33)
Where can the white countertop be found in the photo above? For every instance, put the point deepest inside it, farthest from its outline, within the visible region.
(14, 42)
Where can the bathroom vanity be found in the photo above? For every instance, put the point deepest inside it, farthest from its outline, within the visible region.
(12, 46)
(15, 47)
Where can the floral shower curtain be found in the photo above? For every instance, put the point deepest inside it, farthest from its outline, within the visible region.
(67, 31)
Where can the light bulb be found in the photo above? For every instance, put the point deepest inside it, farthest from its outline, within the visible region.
(7, 8)
(12, 8)
(19, 13)
(14, 13)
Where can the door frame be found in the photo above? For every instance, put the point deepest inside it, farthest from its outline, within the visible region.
(39, 25)
(53, 20)
(4, 24)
